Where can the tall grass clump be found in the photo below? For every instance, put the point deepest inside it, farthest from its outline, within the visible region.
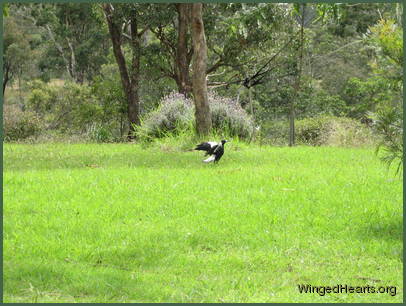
(175, 116)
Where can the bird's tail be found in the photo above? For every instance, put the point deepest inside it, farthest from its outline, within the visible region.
(210, 159)
(200, 147)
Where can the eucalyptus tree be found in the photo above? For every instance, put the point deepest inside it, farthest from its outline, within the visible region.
(172, 51)
(128, 23)
(248, 44)
(304, 16)
(16, 52)
(233, 32)
(181, 32)
(73, 37)
(202, 109)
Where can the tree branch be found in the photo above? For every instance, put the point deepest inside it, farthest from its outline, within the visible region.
(59, 48)
(163, 39)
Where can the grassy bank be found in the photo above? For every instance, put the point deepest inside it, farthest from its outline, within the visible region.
(125, 223)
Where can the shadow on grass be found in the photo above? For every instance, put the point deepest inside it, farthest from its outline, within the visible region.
(62, 281)
(388, 229)
(389, 233)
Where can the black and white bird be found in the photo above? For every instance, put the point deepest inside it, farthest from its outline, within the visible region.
(214, 149)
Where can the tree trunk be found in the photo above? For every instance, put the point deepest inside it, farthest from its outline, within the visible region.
(134, 102)
(182, 53)
(297, 81)
(130, 82)
(6, 77)
(250, 89)
(292, 124)
(202, 109)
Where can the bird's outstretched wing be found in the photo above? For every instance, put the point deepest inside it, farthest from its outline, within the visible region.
(209, 147)
(205, 146)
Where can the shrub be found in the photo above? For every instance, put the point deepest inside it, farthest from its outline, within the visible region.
(363, 96)
(107, 89)
(323, 103)
(102, 132)
(19, 125)
(175, 114)
(70, 107)
(275, 132)
(336, 131)
(229, 117)
(311, 130)
(43, 96)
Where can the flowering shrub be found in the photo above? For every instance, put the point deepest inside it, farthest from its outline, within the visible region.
(229, 117)
(175, 114)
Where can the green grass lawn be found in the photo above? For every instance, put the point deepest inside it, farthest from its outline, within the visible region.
(123, 223)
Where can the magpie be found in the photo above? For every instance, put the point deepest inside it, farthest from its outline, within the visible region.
(214, 149)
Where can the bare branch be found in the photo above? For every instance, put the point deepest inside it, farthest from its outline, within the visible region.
(213, 68)
(59, 48)
(164, 40)
(216, 74)
(336, 50)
